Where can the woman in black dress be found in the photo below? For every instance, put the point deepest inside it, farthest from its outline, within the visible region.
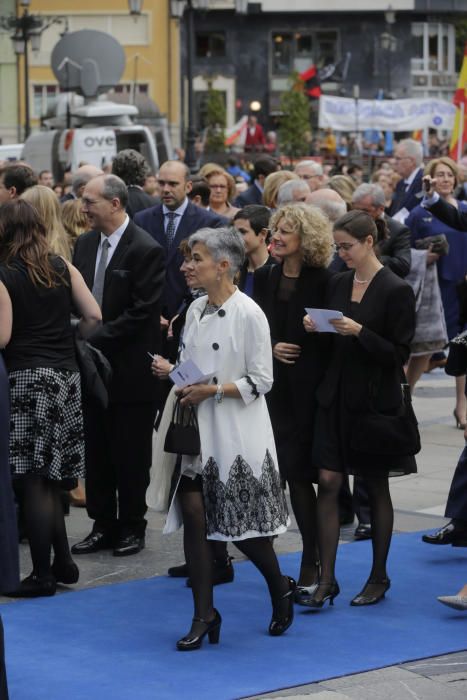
(364, 374)
(302, 241)
(46, 439)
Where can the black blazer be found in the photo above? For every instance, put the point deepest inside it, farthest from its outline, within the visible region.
(252, 195)
(449, 215)
(130, 309)
(303, 376)
(370, 365)
(194, 218)
(138, 200)
(244, 271)
(410, 199)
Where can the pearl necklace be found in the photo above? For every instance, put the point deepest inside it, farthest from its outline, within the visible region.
(357, 281)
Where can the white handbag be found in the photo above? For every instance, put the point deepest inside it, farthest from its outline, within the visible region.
(163, 463)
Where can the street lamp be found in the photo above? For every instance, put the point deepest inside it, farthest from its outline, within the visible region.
(135, 6)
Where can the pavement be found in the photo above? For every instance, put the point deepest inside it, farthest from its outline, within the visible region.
(419, 502)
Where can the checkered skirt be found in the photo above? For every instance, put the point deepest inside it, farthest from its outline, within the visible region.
(46, 436)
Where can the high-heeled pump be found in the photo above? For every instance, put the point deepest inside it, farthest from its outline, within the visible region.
(65, 572)
(314, 602)
(192, 641)
(459, 424)
(366, 598)
(280, 623)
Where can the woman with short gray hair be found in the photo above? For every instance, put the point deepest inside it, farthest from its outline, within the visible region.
(232, 490)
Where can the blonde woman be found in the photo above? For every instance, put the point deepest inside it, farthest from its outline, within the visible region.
(303, 243)
(45, 202)
(74, 221)
(223, 191)
(343, 185)
(272, 184)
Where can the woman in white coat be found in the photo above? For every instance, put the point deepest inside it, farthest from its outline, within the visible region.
(232, 490)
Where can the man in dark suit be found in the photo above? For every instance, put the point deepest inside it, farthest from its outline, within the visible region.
(407, 195)
(124, 267)
(443, 211)
(172, 221)
(395, 250)
(132, 167)
(264, 166)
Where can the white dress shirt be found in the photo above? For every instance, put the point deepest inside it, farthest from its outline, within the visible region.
(114, 240)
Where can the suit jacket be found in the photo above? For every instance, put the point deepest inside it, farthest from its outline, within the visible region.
(449, 215)
(369, 367)
(194, 218)
(394, 251)
(130, 327)
(138, 199)
(244, 271)
(252, 195)
(409, 199)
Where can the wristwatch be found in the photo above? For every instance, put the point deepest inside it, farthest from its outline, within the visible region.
(219, 395)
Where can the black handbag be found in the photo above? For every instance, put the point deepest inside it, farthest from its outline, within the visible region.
(393, 435)
(439, 244)
(456, 365)
(182, 436)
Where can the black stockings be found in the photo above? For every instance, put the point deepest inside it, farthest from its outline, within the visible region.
(44, 521)
(382, 518)
(303, 500)
(199, 557)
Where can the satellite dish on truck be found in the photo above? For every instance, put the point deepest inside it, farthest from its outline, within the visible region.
(88, 62)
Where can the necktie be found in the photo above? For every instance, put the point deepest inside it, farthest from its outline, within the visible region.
(170, 230)
(98, 286)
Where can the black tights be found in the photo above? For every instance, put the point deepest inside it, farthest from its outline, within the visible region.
(199, 558)
(382, 519)
(303, 500)
(44, 521)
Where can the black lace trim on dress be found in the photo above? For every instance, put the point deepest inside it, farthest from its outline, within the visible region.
(254, 388)
(244, 503)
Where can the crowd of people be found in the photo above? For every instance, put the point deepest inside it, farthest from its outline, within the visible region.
(218, 268)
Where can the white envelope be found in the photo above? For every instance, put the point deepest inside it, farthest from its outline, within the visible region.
(188, 373)
(321, 318)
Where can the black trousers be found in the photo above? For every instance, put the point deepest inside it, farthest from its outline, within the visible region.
(3, 683)
(456, 506)
(118, 460)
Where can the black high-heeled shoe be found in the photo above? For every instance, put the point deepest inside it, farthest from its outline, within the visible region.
(280, 623)
(192, 641)
(65, 572)
(314, 602)
(366, 598)
(459, 424)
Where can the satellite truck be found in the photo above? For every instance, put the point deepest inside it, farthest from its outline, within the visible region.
(86, 127)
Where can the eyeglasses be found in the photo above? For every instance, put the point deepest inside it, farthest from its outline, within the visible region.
(307, 177)
(403, 158)
(344, 246)
(217, 187)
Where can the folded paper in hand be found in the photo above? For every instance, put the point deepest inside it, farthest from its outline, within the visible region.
(321, 318)
(188, 373)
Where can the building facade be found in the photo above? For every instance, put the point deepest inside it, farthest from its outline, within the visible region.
(8, 82)
(150, 42)
(396, 49)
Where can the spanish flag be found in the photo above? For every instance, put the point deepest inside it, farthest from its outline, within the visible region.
(459, 134)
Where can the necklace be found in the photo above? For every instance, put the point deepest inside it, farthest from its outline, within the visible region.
(357, 281)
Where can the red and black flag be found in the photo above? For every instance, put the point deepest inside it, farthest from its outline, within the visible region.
(312, 82)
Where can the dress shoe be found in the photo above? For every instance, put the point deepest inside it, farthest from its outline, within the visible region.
(178, 571)
(363, 531)
(281, 622)
(94, 542)
(331, 590)
(34, 586)
(366, 598)
(458, 602)
(222, 573)
(65, 572)
(304, 592)
(449, 534)
(131, 544)
(193, 641)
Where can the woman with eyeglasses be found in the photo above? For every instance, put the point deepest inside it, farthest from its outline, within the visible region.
(223, 191)
(364, 376)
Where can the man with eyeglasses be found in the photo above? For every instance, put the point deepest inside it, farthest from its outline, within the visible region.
(408, 164)
(171, 222)
(311, 172)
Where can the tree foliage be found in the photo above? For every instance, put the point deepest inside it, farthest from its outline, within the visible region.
(295, 122)
(215, 121)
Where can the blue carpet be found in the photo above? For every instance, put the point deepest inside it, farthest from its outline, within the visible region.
(117, 642)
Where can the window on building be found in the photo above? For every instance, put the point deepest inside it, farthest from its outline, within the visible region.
(201, 104)
(433, 47)
(297, 51)
(127, 88)
(210, 44)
